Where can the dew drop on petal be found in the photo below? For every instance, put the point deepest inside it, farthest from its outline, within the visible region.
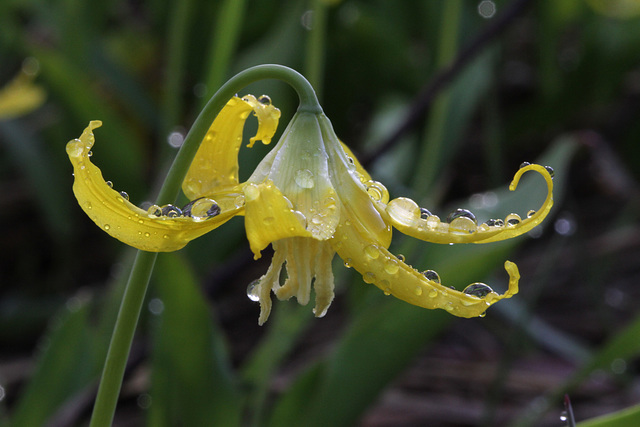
(531, 213)
(512, 219)
(495, 223)
(391, 266)
(461, 213)
(403, 210)
(171, 211)
(478, 289)
(433, 293)
(550, 170)
(524, 164)
(424, 213)
(418, 290)
(432, 276)
(264, 100)
(304, 178)
(372, 251)
(154, 210)
(107, 227)
(109, 184)
(124, 195)
(369, 277)
(268, 220)
(202, 208)
(463, 225)
(252, 290)
(347, 262)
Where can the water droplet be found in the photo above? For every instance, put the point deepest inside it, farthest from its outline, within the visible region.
(369, 277)
(391, 266)
(171, 211)
(463, 225)
(252, 290)
(239, 201)
(154, 210)
(482, 314)
(124, 195)
(432, 276)
(268, 220)
(495, 223)
(351, 161)
(418, 291)
(347, 262)
(424, 213)
(88, 205)
(372, 251)
(524, 164)
(461, 213)
(403, 210)
(304, 178)
(433, 221)
(401, 257)
(563, 416)
(531, 213)
(264, 100)
(449, 307)
(377, 191)
(202, 208)
(147, 234)
(109, 184)
(90, 153)
(433, 293)
(107, 227)
(512, 219)
(478, 289)
(550, 170)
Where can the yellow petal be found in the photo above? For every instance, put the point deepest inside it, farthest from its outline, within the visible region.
(269, 216)
(215, 165)
(113, 213)
(381, 268)
(405, 215)
(20, 96)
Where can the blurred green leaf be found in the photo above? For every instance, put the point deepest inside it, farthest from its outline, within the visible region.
(629, 417)
(67, 365)
(192, 380)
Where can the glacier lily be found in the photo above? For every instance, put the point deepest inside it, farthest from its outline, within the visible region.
(309, 198)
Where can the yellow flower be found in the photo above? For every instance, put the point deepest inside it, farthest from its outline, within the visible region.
(20, 96)
(309, 198)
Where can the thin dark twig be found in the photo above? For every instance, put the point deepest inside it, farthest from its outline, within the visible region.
(423, 102)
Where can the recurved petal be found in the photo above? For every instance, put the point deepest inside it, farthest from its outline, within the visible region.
(215, 165)
(269, 216)
(405, 215)
(113, 213)
(383, 269)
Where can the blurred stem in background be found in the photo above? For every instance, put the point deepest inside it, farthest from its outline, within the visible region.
(432, 153)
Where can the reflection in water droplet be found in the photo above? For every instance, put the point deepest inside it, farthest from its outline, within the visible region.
(461, 213)
(524, 164)
(347, 262)
(107, 227)
(463, 225)
(304, 178)
(478, 289)
(171, 211)
(495, 223)
(432, 276)
(512, 219)
(252, 290)
(154, 210)
(424, 213)
(265, 100)
(563, 416)
(531, 213)
(550, 170)
(202, 208)
(124, 195)
(401, 257)
(109, 184)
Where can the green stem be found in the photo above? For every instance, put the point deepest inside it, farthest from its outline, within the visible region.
(136, 289)
(314, 61)
(432, 155)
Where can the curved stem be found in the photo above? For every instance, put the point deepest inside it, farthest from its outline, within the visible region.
(136, 289)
